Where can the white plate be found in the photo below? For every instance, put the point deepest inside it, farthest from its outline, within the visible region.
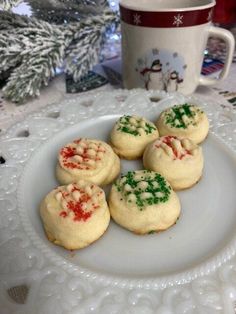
(192, 262)
(207, 222)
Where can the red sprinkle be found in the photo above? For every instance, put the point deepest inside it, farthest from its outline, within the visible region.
(63, 214)
(68, 152)
(168, 141)
(64, 193)
(77, 206)
(79, 213)
(187, 153)
(73, 165)
(75, 189)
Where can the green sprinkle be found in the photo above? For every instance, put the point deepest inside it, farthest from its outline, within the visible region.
(149, 128)
(174, 116)
(125, 129)
(125, 126)
(133, 178)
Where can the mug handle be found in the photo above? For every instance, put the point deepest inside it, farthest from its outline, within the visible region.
(228, 37)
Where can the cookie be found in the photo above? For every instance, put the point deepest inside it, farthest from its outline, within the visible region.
(75, 215)
(131, 134)
(87, 159)
(185, 120)
(143, 201)
(180, 161)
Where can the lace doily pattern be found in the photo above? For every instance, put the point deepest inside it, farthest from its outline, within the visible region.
(51, 286)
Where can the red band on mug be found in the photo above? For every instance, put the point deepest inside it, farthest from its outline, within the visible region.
(166, 19)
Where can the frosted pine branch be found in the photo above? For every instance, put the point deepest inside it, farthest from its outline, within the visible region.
(86, 5)
(9, 4)
(34, 72)
(102, 3)
(35, 48)
(41, 48)
(26, 39)
(10, 52)
(83, 54)
(14, 22)
(107, 18)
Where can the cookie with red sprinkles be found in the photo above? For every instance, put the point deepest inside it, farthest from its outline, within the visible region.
(87, 159)
(75, 215)
(179, 160)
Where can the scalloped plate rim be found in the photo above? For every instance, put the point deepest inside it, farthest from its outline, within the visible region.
(158, 282)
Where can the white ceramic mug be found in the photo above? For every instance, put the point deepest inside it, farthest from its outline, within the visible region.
(163, 43)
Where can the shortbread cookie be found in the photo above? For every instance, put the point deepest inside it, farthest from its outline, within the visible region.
(180, 161)
(143, 202)
(87, 159)
(131, 134)
(185, 120)
(75, 215)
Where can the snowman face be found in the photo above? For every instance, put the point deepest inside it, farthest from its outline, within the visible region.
(173, 76)
(156, 67)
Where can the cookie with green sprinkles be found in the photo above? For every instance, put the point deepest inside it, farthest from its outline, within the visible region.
(143, 201)
(185, 120)
(131, 134)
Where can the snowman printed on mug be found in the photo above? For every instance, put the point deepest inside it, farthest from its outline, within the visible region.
(161, 70)
(173, 82)
(153, 76)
